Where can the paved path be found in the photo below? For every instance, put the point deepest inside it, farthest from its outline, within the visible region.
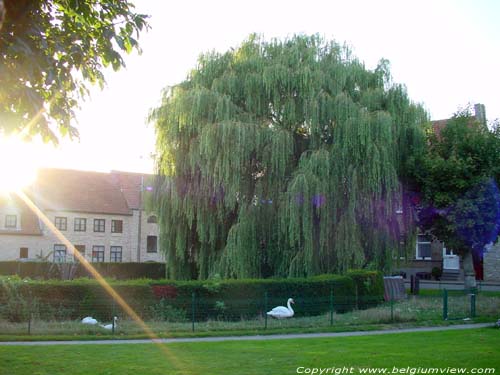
(249, 338)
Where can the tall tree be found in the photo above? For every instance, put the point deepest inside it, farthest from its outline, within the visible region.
(282, 158)
(50, 51)
(457, 177)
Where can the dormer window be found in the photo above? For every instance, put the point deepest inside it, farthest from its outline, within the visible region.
(11, 221)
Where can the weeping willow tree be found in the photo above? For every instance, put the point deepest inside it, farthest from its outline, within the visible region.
(283, 158)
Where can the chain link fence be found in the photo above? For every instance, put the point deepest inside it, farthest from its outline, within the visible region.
(35, 316)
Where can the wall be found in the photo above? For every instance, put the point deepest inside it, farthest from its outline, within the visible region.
(491, 264)
(10, 245)
(43, 245)
(89, 238)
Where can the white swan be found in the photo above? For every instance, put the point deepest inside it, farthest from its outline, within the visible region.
(110, 325)
(89, 320)
(282, 312)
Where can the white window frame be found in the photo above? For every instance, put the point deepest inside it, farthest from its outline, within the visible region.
(60, 253)
(417, 252)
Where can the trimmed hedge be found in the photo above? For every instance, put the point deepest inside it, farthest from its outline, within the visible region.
(214, 299)
(48, 270)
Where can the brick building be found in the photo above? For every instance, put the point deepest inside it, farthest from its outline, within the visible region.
(101, 214)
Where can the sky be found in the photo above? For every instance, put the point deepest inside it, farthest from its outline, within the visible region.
(447, 54)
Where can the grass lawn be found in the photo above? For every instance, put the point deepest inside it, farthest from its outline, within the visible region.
(479, 348)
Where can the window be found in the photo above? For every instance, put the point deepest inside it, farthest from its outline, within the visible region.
(115, 254)
(81, 250)
(23, 253)
(61, 223)
(152, 243)
(99, 225)
(10, 221)
(423, 247)
(80, 224)
(152, 219)
(98, 254)
(59, 253)
(116, 226)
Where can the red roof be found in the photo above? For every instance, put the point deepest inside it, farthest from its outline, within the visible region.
(131, 185)
(91, 192)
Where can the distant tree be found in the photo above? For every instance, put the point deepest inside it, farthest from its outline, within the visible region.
(50, 50)
(457, 177)
(282, 158)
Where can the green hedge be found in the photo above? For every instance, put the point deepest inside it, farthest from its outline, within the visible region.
(48, 270)
(215, 299)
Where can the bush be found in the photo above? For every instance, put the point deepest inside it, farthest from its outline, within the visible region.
(48, 270)
(164, 311)
(214, 299)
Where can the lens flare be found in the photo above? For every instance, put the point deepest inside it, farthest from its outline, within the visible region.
(176, 362)
(17, 165)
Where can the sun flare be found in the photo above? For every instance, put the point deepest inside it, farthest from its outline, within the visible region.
(18, 164)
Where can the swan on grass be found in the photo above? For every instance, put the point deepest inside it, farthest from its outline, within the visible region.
(110, 325)
(282, 312)
(89, 320)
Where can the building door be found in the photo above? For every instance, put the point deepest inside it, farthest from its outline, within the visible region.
(450, 260)
(478, 265)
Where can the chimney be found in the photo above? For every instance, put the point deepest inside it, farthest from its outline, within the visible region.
(480, 113)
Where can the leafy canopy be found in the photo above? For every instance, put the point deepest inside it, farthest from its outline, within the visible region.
(51, 50)
(282, 158)
(458, 176)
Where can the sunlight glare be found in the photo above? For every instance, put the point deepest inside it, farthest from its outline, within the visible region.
(18, 164)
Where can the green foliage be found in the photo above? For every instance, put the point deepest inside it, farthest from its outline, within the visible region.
(14, 308)
(458, 157)
(458, 176)
(172, 300)
(51, 50)
(164, 311)
(282, 158)
(121, 271)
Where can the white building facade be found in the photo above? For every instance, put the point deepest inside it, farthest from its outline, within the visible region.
(101, 214)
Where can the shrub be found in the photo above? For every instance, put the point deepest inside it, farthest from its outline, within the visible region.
(48, 270)
(214, 299)
(164, 311)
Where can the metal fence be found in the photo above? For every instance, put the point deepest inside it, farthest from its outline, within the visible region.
(196, 314)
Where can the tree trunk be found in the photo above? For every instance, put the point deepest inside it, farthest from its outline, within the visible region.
(469, 272)
(2, 13)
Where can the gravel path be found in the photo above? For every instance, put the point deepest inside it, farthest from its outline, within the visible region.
(249, 338)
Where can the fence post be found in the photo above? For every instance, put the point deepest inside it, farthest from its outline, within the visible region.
(472, 305)
(356, 295)
(113, 317)
(193, 300)
(29, 323)
(30, 317)
(445, 304)
(265, 310)
(391, 296)
(331, 306)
